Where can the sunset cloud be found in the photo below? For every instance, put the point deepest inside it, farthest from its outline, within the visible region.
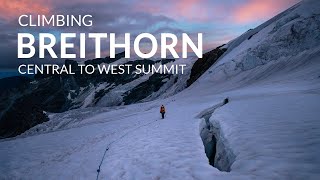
(189, 10)
(219, 21)
(257, 10)
(242, 11)
(11, 9)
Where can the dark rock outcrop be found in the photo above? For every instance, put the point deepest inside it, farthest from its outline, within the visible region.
(204, 63)
(13, 82)
(145, 89)
(21, 116)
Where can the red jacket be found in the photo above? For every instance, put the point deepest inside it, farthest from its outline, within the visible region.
(162, 109)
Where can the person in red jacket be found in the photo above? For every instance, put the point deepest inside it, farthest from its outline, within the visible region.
(162, 111)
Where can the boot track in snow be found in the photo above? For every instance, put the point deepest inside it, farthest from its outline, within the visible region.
(117, 140)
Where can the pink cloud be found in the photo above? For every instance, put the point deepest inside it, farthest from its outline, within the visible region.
(10, 9)
(256, 10)
(192, 10)
(205, 10)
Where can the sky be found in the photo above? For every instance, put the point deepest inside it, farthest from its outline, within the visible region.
(219, 21)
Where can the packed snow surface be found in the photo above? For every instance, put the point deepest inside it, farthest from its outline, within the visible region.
(271, 123)
(272, 128)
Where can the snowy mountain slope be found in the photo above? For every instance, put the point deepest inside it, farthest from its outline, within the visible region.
(283, 37)
(171, 85)
(268, 130)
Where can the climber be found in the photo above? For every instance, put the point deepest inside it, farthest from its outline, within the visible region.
(162, 111)
(225, 101)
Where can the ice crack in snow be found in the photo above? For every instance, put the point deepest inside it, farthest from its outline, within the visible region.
(215, 148)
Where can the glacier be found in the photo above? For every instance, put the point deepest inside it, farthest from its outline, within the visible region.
(270, 128)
